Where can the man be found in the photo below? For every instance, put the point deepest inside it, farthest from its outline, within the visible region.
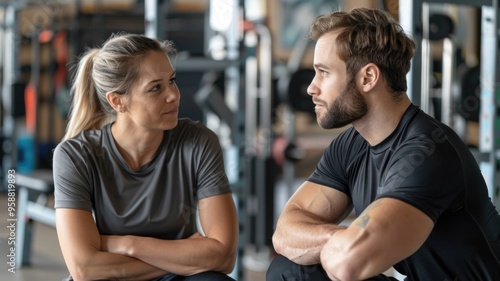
(421, 202)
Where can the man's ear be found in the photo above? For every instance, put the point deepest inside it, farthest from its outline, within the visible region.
(370, 76)
(115, 100)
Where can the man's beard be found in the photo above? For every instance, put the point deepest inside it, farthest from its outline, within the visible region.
(347, 108)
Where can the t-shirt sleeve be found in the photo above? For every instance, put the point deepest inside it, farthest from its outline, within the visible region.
(71, 178)
(423, 173)
(211, 174)
(329, 170)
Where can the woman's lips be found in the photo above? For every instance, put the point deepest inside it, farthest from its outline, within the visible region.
(171, 112)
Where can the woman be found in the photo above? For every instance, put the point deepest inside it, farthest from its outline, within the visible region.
(130, 176)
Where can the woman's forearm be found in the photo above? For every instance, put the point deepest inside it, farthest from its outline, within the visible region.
(183, 257)
(85, 256)
(110, 266)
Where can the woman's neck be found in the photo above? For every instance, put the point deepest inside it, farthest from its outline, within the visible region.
(137, 147)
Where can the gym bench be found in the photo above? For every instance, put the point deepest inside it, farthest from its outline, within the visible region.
(33, 190)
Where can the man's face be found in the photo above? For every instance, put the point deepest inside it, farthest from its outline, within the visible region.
(335, 94)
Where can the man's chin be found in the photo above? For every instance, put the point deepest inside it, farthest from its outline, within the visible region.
(329, 126)
(323, 124)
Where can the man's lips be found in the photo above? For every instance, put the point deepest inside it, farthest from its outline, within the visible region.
(318, 103)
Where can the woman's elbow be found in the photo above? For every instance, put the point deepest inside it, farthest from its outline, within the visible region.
(228, 266)
(80, 273)
(220, 259)
(82, 269)
(228, 261)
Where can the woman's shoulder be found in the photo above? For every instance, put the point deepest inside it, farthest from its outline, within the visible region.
(195, 133)
(193, 127)
(85, 141)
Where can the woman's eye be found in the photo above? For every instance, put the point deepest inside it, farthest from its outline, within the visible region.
(155, 88)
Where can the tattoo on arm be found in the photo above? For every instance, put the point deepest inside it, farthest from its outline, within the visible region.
(362, 221)
(364, 218)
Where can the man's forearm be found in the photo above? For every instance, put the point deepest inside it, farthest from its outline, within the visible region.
(300, 237)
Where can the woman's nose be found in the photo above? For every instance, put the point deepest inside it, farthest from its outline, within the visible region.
(173, 95)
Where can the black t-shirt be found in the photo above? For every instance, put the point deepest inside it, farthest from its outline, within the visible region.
(425, 164)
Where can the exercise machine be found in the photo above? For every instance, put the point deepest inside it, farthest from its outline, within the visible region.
(414, 18)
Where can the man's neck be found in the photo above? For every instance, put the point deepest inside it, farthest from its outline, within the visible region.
(381, 119)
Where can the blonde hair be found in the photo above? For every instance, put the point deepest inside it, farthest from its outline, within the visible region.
(112, 68)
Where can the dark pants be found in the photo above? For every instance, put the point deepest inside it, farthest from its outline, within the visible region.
(204, 276)
(282, 269)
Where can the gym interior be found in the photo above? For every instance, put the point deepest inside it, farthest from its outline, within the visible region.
(243, 67)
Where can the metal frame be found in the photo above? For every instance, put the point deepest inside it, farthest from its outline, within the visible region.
(258, 135)
(153, 17)
(31, 187)
(412, 17)
(10, 72)
(412, 14)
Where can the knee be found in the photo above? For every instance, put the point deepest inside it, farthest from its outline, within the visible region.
(279, 267)
(209, 276)
(283, 269)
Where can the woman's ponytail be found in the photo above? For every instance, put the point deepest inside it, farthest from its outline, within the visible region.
(86, 110)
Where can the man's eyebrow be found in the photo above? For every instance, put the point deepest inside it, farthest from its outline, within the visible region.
(320, 65)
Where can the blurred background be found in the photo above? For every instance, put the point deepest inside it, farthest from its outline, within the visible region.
(243, 68)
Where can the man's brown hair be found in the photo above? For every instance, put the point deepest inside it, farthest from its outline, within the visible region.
(369, 36)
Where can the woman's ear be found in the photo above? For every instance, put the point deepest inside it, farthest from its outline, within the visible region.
(370, 77)
(116, 101)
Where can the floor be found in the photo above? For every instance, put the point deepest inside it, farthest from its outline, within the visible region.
(46, 260)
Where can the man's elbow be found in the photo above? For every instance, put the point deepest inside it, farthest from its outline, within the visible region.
(278, 244)
(346, 265)
(282, 248)
(344, 272)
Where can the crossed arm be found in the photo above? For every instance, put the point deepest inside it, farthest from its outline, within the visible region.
(90, 256)
(388, 231)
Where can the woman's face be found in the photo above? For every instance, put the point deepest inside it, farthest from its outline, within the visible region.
(154, 98)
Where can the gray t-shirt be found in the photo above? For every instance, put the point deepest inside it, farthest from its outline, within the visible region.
(158, 200)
